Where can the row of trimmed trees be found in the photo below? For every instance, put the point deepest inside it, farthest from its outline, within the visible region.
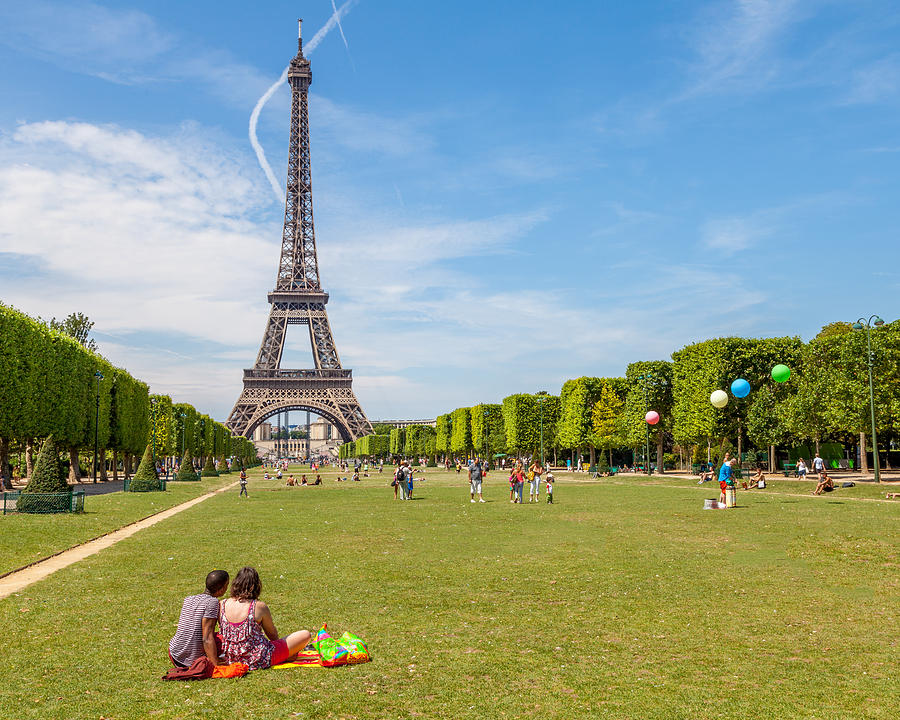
(826, 399)
(51, 384)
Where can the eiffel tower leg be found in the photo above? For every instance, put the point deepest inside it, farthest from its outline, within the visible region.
(325, 352)
(272, 346)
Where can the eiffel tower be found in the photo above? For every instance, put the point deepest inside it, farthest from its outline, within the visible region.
(298, 299)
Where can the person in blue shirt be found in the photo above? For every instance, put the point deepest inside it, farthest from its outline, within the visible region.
(726, 479)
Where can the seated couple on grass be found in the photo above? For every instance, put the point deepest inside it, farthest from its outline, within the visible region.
(247, 631)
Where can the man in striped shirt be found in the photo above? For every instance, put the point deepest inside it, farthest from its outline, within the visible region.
(196, 634)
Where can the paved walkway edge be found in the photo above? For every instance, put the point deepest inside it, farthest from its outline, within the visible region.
(16, 580)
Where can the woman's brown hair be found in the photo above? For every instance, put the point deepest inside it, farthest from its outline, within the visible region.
(246, 585)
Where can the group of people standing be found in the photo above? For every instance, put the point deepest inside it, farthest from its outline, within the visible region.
(517, 480)
(403, 481)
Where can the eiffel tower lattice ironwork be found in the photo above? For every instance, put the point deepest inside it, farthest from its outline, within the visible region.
(298, 299)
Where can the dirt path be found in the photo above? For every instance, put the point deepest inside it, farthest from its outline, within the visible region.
(16, 581)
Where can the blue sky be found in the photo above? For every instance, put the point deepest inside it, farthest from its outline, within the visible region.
(507, 194)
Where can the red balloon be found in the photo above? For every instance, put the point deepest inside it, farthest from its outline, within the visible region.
(652, 417)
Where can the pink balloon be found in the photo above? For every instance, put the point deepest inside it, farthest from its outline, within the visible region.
(652, 417)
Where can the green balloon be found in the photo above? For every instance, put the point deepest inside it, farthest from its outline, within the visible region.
(780, 373)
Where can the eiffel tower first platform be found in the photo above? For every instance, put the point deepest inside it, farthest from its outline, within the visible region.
(298, 299)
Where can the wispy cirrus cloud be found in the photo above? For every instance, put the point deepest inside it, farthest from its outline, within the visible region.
(124, 46)
(736, 44)
(876, 82)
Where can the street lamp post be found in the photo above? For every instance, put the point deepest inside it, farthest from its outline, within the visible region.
(183, 415)
(863, 324)
(153, 431)
(541, 395)
(484, 439)
(645, 378)
(99, 377)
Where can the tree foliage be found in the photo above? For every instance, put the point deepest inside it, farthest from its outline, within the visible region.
(48, 475)
(529, 418)
(146, 479)
(461, 432)
(444, 429)
(577, 399)
(78, 327)
(398, 441)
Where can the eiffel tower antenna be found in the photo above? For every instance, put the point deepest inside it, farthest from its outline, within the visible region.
(298, 299)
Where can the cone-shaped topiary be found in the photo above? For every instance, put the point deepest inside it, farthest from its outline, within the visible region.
(48, 477)
(223, 466)
(186, 470)
(145, 479)
(209, 470)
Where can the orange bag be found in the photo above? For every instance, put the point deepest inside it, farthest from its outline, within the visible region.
(234, 670)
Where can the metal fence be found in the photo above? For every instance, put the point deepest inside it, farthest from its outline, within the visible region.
(127, 484)
(42, 503)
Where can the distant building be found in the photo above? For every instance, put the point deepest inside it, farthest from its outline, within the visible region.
(324, 439)
(405, 423)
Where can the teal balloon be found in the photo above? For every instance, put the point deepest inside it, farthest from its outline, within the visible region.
(780, 373)
(740, 388)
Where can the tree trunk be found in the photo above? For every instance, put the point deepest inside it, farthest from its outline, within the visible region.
(660, 465)
(103, 476)
(115, 465)
(593, 457)
(5, 475)
(863, 456)
(817, 444)
(29, 457)
(74, 470)
(771, 458)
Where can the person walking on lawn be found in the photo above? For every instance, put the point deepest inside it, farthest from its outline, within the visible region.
(819, 467)
(475, 478)
(534, 480)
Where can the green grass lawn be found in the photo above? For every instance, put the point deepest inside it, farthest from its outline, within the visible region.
(27, 538)
(623, 600)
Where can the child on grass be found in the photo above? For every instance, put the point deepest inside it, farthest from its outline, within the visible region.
(550, 481)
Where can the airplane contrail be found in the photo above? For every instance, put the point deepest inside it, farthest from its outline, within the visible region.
(334, 20)
(340, 27)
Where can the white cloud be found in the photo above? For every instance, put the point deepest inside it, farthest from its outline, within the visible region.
(877, 82)
(138, 232)
(124, 46)
(735, 43)
(85, 37)
(734, 234)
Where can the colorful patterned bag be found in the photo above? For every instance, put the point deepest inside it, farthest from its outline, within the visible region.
(347, 650)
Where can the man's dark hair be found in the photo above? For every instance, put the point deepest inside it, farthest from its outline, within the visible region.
(215, 581)
(246, 585)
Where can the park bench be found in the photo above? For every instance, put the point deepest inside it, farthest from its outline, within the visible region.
(790, 469)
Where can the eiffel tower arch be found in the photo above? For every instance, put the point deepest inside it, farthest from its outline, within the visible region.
(298, 299)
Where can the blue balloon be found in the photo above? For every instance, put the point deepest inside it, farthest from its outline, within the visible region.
(740, 388)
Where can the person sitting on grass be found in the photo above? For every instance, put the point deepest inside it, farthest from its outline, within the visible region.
(826, 484)
(708, 475)
(758, 481)
(318, 480)
(303, 480)
(290, 481)
(248, 631)
(195, 635)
